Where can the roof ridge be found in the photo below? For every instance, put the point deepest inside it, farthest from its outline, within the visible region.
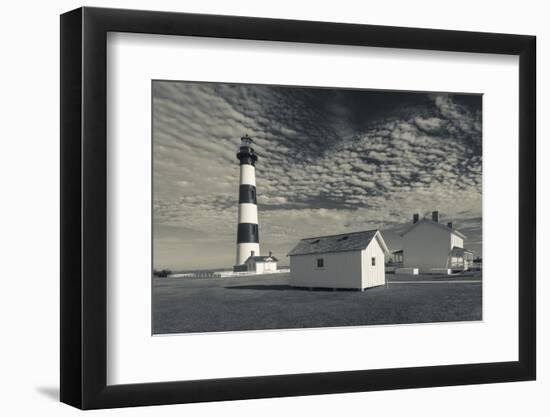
(340, 234)
(451, 229)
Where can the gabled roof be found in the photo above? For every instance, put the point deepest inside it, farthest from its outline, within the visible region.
(459, 252)
(440, 225)
(338, 243)
(261, 259)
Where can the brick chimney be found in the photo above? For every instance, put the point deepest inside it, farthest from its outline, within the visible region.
(435, 216)
(450, 225)
(251, 253)
(270, 253)
(415, 218)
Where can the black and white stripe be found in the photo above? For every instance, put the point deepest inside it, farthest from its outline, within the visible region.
(248, 238)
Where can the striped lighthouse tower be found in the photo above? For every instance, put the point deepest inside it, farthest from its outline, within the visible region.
(248, 239)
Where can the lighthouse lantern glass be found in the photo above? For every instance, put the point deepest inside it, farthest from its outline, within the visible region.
(246, 141)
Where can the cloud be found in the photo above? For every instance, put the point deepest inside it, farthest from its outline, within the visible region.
(430, 124)
(329, 161)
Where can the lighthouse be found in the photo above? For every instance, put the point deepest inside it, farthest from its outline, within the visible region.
(248, 239)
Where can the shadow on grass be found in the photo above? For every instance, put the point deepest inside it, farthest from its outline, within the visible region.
(276, 287)
(283, 287)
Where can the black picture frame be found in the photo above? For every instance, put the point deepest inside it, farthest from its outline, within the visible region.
(84, 207)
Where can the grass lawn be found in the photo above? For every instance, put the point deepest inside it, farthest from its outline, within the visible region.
(182, 305)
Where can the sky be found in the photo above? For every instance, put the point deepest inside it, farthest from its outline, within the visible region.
(330, 161)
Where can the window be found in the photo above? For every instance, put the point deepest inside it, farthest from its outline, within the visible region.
(320, 263)
(373, 261)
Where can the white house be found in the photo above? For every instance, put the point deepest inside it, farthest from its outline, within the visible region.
(430, 246)
(261, 264)
(349, 260)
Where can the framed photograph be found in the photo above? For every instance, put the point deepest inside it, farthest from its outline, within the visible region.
(256, 208)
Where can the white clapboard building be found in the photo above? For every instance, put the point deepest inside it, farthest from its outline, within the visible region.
(261, 264)
(349, 260)
(434, 247)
